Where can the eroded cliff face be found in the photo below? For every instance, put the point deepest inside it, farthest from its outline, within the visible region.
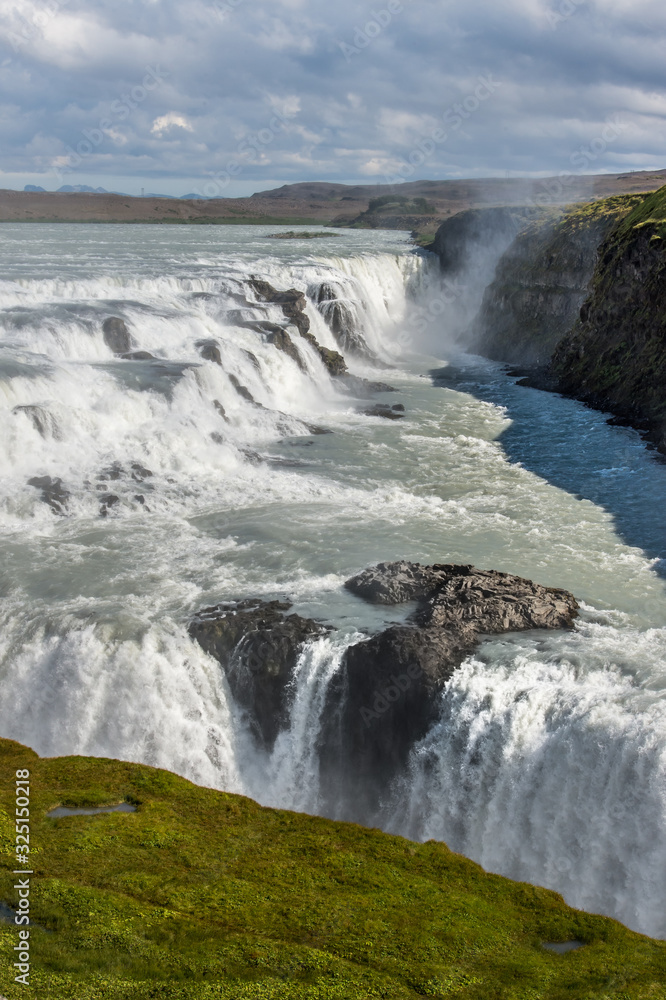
(469, 245)
(541, 282)
(614, 357)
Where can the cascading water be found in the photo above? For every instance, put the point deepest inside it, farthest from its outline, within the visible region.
(196, 477)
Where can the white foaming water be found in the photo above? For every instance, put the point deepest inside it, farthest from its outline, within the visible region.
(550, 757)
(548, 764)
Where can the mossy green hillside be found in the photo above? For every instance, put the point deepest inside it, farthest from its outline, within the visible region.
(200, 894)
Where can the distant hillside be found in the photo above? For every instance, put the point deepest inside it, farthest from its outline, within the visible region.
(325, 203)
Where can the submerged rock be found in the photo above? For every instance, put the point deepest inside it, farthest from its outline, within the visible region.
(258, 645)
(242, 390)
(284, 343)
(210, 351)
(116, 335)
(339, 317)
(385, 411)
(364, 388)
(53, 492)
(138, 356)
(42, 420)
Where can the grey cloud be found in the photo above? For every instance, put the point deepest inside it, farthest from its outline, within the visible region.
(226, 65)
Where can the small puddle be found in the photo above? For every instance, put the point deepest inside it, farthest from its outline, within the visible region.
(59, 811)
(6, 913)
(562, 947)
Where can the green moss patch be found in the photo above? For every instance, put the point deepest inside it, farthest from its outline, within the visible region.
(200, 894)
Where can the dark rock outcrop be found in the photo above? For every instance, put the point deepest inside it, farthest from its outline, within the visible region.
(385, 411)
(210, 351)
(466, 235)
(614, 358)
(138, 356)
(293, 303)
(387, 693)
(340, 318)
(386, 696)
(281, 339)
(42, 420)
(541, 281)
(116, 335)
(258, 645)
(242, 390)
(469, 245)
(106, 502)
(53, 492)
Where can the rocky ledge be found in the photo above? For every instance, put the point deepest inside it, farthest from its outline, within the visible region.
(387, 693)
(385, 697)
(258, 647)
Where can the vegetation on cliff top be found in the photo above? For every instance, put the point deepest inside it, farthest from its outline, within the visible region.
(650, 210)
(199, 894)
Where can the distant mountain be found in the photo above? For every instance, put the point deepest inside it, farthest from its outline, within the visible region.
(81, 189)
(86, 189)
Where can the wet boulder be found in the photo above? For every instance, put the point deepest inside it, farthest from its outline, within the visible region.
(138, 356)
(116, 335)
(385, 411)
(284, 343)
(257, 644)
(210, 351)
(242, 390)
(53, 492)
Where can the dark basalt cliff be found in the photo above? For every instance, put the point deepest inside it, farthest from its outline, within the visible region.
(541, 282)
(614, 357)
(579, 299)
(471, 234)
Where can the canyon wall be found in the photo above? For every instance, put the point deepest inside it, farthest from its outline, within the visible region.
(582, 296)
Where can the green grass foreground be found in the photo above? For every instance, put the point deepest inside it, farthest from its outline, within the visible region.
(200, 894)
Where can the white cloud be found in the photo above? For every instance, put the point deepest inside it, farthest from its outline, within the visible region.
(169, 122)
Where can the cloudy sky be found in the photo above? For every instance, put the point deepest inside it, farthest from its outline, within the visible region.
(233, 96)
